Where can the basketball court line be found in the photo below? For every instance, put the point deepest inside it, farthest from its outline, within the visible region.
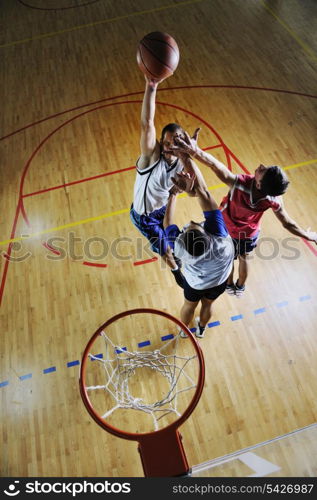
(117, 212)
(58, 8)
(98, 23)
(99, 176)
(144, 343)
(303, 45)
(20, 206)
(235, 455)
(132, 94)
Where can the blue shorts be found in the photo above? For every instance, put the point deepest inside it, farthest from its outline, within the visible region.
(151, 226)
(242, 247)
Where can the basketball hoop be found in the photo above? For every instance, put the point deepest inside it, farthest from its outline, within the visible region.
(166, 371)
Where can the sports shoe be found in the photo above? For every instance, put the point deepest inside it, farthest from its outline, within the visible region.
(197, 333)
(182, 333)
(231, 289)
(239, 290)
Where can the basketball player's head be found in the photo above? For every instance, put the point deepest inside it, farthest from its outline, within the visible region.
(195, 239)
(169, 133)
(271, 181)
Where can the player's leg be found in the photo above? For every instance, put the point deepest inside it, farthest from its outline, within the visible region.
(231, 288)
(204, 316)
(243, 269)
(245, 248)
(187, 311)
(191, 300)
(210, 295)
(152, 228)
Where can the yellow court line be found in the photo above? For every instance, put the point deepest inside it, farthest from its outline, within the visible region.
(304, 46)
(309, 162)
(97, 23)
(119, 212)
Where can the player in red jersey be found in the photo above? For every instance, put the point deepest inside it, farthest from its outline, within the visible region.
(249, 197)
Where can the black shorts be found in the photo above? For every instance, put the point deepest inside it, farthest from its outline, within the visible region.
(194, 295)
(242, 247)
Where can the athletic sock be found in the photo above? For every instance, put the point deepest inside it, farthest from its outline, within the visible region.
(201, 329)
(179, 278)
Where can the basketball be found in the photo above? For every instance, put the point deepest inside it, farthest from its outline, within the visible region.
(158, 55)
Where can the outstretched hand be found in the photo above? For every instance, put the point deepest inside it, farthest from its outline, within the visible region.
(187, 145)
(184, 181)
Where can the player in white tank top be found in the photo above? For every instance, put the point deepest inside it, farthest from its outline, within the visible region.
(155, 168)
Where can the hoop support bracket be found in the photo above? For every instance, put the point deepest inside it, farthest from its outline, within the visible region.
(163, 454)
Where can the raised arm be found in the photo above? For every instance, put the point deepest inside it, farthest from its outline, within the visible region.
(187, 183)
(190, 146)
(293, 227)
(170, 208)
(150, 148)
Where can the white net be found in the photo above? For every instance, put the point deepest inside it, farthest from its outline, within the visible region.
(121, 366)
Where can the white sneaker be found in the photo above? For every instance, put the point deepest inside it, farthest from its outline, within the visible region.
(182, 333)
(197, 333)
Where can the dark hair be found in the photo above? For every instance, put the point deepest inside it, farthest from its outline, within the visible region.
(195, 242)
(171, 127)
(274, 181)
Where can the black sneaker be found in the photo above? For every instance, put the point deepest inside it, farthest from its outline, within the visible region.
(231, 289)
(200, 333)
(239, 290)
(179, 277)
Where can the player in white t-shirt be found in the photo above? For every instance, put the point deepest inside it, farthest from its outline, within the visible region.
(206, 250)
(154, 171)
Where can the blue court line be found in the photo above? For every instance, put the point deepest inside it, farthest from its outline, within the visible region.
(238, 316)
(50, 370)
(73, 363)
(213, 323)
(167, 337)
(305, 297)
(143, 344)
(282, 304)
(100, 356)
(120, 350)
(260, 310)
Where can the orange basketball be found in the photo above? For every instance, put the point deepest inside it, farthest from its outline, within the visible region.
(158, 55)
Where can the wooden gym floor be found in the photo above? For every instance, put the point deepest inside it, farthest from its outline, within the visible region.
(70, 107)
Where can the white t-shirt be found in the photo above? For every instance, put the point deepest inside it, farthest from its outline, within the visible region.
(152, 185)
(213, 267)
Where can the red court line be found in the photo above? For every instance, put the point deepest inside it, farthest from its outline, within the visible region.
(94, 264)
(8, 253)
(79, 181)
(241, 87)
(237, 161)
(51, 249)
(95, 177)
(20, 206)
(57, 8)
(147, 261)
(310, 246)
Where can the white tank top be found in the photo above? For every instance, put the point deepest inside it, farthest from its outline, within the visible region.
(152, 185)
